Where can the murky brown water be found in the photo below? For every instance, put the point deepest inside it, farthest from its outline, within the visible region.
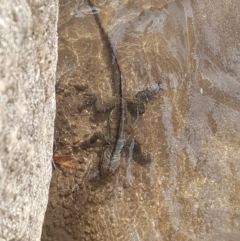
(190, 190)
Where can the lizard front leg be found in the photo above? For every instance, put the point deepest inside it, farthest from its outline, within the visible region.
(137, 106)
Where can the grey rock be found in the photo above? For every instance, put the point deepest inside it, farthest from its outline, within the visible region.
(28, 56)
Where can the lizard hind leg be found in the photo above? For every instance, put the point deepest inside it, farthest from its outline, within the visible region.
(90, 143)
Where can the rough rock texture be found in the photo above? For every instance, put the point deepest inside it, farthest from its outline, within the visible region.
(28, 56)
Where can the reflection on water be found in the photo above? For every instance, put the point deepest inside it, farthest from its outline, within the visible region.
(190, 190)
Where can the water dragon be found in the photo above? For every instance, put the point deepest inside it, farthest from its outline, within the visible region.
(122, 111)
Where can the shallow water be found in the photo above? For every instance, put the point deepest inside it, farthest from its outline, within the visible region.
(190, 189)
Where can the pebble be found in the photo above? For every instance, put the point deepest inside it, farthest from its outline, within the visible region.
(93, 126)
(53, 204)
(81, 87)
(76, 140)
(65, 193)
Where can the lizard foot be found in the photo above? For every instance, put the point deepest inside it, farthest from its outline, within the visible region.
(89, 100)
(136, 108)
(100, 105)
(148, 95)
(133, 149)
(138, 155)
(90, 143)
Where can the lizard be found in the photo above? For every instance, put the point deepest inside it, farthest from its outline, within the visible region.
(119, 126)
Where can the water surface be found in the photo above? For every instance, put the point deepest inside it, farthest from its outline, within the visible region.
(190, 190)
